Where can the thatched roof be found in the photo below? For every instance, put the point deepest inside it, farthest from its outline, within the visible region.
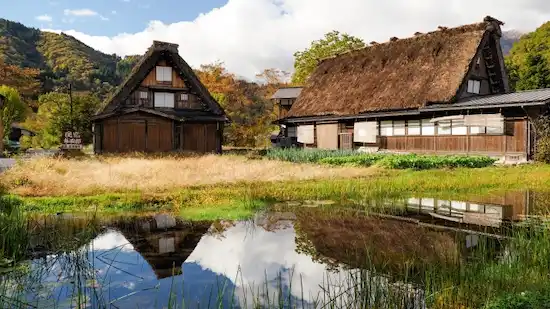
(160, 50)
(397, 75)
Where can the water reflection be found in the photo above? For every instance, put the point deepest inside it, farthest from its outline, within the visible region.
(491, 211)
(303, 257)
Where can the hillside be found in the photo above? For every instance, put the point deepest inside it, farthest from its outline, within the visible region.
(60, 58)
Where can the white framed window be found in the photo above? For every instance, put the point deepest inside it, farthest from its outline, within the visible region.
(428, 127)
(477, 130)
(164, 74)
(386, 128)
(184, 97)
(143, 95)
(444, 127)
(413, 127)
(474, 86)
(494, 130)
(459, 128)
(164, 99)
(399, 128)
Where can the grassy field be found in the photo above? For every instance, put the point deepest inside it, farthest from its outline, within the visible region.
(61, 177)
(232, 187)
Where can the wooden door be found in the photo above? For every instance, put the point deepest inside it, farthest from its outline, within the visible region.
(132, 136)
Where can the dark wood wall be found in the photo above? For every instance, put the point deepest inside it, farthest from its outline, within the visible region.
(140, 132)
(514, 141)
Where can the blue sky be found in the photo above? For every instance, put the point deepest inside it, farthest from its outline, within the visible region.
(249, 36)
(104, 17)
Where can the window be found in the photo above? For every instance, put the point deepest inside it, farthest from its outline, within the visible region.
(399, 128)
(184, 97)
(477, 130)
(444, 128)
(474, 86)
(495, 130)
(413, 127)
(386, 128)
(164, 74)
(144, 95)
(428, 127)
(459, 128)
(164, 99)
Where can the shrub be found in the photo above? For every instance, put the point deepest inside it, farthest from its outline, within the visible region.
(298, 155)
(358, 160)
(524, 300)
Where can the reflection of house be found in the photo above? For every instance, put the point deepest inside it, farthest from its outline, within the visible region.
(485, 211)
(163, 241)
(442, 92)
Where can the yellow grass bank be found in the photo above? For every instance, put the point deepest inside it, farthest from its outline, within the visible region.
(58, 177)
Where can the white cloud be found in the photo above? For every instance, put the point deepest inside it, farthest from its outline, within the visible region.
(44, 17)
(250, 36)
(113, 12)
(103, 18)
(80, 12)
(125, 0)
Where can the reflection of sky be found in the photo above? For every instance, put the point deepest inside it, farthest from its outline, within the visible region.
(239, 262)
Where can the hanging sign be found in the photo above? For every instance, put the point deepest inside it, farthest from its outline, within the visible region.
(72, 140)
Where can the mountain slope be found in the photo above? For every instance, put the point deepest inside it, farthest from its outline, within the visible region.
(60, 57)
(508, 39)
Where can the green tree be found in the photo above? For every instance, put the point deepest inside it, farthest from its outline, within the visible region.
(332, 44)
(54, 117)
(13, 110)
(528, 61)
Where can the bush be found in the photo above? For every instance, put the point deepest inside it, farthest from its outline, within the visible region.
(524, 300)
(359, 160)
(543, 150)
(432, 162)
(299, 155)
(391, 161)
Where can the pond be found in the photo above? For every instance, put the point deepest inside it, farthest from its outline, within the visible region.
(290, 256)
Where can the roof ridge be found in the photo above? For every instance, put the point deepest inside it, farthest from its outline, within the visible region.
(419, 35)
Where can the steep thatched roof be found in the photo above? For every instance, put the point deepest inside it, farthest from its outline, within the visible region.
(160, 50)
(397, 75)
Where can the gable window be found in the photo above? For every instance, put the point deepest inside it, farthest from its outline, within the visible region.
(164, 74)
(164, 99)
(144, 95)
(474, 86)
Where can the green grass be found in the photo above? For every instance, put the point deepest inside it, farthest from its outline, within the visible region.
(383, 184)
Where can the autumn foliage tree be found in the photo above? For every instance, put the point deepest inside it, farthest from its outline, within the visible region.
(246, 103)
(332, 44)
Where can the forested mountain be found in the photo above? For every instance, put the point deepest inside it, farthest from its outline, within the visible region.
(60, 58)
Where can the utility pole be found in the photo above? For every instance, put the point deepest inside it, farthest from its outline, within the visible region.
(71, 103)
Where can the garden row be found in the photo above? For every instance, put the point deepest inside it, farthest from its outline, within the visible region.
(391, 161)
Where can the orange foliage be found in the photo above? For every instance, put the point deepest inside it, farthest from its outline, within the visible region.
(25, 80)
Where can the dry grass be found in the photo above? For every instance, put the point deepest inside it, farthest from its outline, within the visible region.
(56, 177)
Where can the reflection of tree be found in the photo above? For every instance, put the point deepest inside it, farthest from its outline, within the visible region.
(360, 241)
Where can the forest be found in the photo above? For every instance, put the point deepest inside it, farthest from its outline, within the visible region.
(36, 69)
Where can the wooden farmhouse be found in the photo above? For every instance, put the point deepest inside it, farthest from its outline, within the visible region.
(443, 92)
(161, 107)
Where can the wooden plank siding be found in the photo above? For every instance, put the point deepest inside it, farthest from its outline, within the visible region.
(151, 79)
(514, 141)
(201, 137)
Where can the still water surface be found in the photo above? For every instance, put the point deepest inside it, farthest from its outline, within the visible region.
(289, 257)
